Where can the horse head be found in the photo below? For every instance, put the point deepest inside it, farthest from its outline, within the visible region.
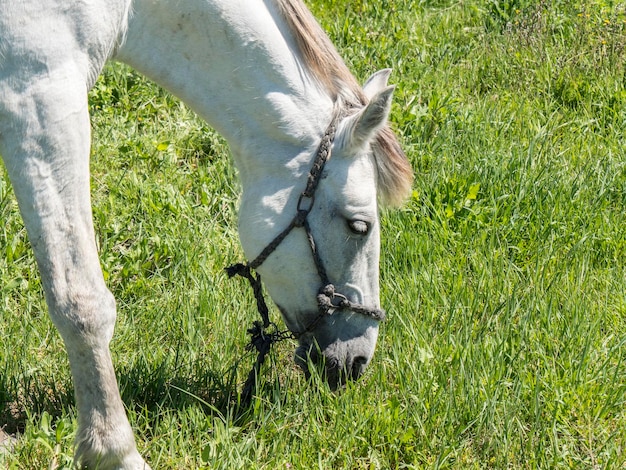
(325, 278)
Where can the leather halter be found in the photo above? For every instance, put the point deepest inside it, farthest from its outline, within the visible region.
(328, 299)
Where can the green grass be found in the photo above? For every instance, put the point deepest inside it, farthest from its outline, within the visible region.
(504, 275)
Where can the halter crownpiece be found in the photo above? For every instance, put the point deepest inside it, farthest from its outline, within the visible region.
(328, 299)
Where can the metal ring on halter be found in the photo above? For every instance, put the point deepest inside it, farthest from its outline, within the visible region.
(303, 197)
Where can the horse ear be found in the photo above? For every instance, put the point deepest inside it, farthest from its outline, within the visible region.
(376, 83)
(363, 125)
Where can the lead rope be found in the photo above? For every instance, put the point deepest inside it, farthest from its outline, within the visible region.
(328, 299)
(261, 338)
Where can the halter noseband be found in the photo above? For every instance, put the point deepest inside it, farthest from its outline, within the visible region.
(328, 299)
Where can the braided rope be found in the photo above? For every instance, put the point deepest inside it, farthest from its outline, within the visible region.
(325, 302)
(323, 154)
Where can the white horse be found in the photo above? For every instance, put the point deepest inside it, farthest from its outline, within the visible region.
(262, 73)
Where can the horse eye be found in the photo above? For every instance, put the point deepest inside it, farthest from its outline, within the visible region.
(358, 227)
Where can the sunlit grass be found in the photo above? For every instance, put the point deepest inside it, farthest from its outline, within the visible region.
(504, 275)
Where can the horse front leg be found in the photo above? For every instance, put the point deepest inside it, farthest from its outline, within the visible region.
(44, 139)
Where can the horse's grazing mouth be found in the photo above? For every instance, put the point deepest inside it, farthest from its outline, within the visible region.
(335, 373)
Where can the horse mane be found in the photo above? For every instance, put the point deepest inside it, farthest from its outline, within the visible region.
(395, 176)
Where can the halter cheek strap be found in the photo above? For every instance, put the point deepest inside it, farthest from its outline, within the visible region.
(328, 299)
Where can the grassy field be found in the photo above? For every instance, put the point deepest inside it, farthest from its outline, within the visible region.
(504, 275)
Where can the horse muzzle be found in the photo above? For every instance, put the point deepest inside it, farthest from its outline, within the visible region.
(336, 355)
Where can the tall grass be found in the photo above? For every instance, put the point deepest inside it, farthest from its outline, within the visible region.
(504, 275)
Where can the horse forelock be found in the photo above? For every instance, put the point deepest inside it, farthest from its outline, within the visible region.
(319, 55)
(395, 175)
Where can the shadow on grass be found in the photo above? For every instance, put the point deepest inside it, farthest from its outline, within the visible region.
(31, 396)
(158, 386)
(150, 387)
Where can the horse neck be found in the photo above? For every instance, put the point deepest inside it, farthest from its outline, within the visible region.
(235, 63)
